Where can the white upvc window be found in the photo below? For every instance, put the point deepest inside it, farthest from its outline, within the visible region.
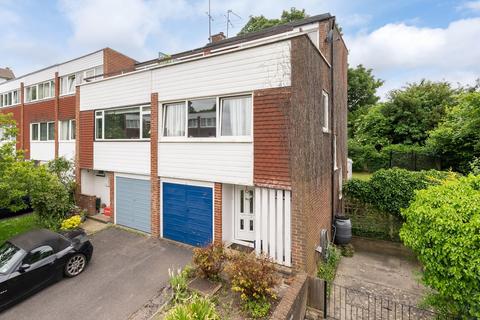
(42, 131)
(326, 112)
(69, 82)
(40, 91)
(10, 98)
(127, 123)
(201, 118)
(67, 130)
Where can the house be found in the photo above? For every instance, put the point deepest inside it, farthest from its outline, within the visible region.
(6, 74)
(43, 102)
(241, 141)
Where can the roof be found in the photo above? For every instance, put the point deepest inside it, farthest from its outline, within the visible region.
(247, 37)
(6, 73)
(36, 238)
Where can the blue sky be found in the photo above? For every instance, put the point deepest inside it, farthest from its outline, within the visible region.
(403, 41)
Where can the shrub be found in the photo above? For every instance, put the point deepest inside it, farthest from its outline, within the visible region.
(254, 278)
(257, 308)
(198, 309)
(71, 223)
(442, 226)
(210, 260)
(178, 282)
(327, 268)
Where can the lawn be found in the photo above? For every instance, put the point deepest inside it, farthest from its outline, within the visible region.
(362, 175)
(13, 226)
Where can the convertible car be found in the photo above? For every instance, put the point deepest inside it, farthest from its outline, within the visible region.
(33, 260)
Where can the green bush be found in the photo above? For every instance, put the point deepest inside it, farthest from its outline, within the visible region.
(198, 309)
(442, 226)
(259, 308)
(209, 260)
(391, 190)
(327, 268)
(179, 283)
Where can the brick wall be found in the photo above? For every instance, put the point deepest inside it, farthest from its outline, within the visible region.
(111, 182)
(87, 202)
(311, 153)
(218, 213)
(155, 182)
(294, 303)
(16, 115)
(116, 63)
(36, 112)
(66, 107)
(85, 139)
(270, 147)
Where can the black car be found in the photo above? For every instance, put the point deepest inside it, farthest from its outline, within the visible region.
(33, 260)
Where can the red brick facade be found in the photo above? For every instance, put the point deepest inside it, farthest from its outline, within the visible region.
(16, 113)
(218, 212)
(271, 159)
(42, 111)
(155, 182)
(111, 182)
(116, 63)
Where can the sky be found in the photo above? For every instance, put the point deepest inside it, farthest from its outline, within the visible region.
(403, 41)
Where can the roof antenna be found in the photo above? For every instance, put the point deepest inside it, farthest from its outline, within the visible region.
(210, 19)
(229, 22)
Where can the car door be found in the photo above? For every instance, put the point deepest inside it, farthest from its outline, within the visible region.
(39, 270)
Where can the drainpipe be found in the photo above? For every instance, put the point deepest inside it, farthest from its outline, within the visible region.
(331, 39)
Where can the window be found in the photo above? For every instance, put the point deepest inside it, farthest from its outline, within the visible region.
(38, 254)
(202, 118)
(236, 116)
(43, 131)
(69, 82)
(326, 112)
(174, 119)
(9, 98)
(10, 255)
(125, 123)
(40, 91)
(67, 130)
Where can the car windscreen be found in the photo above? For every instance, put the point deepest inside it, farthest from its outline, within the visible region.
(9, 256)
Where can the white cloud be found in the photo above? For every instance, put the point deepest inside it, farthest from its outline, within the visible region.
(470, 5)
(408, 53)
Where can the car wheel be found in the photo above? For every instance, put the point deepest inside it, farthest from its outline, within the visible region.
(75, 265)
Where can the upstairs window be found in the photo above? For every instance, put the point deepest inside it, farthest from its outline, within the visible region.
(123, 124)
(67, 130)
(326, 112)
(69, 82)
(42, 131)
(236, 116)
(202, 118)
(174, 116)
(10, 98)
(40, 91)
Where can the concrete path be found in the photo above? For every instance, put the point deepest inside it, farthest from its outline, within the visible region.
(127, 269)
(92, 226)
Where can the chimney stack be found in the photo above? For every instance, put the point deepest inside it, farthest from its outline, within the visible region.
(217, 37)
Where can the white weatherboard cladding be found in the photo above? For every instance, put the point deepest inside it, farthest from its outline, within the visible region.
(9, 86)
(66, 149)
(273, 224)
(122, 156)
(224, 162)
(90, 61)
(256, 68)
(43, 151)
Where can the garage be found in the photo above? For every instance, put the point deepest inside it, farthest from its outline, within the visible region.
(132, 203)
(187, 213)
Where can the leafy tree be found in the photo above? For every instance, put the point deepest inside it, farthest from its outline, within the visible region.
(257, 23)
(362, 88)
(457, 137)
(443, 228)
(416, 109)
(372, 128)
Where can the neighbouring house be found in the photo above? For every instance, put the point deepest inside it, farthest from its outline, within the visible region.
(43, 102)
(6, 74)
(241, 141)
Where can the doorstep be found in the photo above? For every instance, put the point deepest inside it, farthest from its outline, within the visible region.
(100, 217)
(92, 226)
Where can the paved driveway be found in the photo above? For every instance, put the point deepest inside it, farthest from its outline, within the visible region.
(127, 269)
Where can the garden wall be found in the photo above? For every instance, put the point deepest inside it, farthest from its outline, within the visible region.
(294, 303)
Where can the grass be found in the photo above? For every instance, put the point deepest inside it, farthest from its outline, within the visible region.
(13, 226)
(362, 175)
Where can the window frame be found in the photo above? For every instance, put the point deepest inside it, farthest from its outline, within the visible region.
(51, 91)
(221, 99)
(218, 137)
(39, 140)
(14, 98)
(70, 130)
(325, 111)
(79, 80)
(102, 117)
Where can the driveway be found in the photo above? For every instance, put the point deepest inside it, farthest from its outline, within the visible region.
(127, 269)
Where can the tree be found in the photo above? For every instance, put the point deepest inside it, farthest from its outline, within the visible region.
(362, 88)
(443, 229)
(416, 109)
(257, 23)
(457, 137)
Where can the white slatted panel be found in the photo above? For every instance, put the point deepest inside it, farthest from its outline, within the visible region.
(272, 214)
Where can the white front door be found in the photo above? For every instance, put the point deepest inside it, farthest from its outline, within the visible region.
(244, 214)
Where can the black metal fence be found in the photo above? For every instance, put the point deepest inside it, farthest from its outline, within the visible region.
(413, 160)
(344, 303)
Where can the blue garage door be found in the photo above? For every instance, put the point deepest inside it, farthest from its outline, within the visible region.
(133, 203)
(187, 213)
